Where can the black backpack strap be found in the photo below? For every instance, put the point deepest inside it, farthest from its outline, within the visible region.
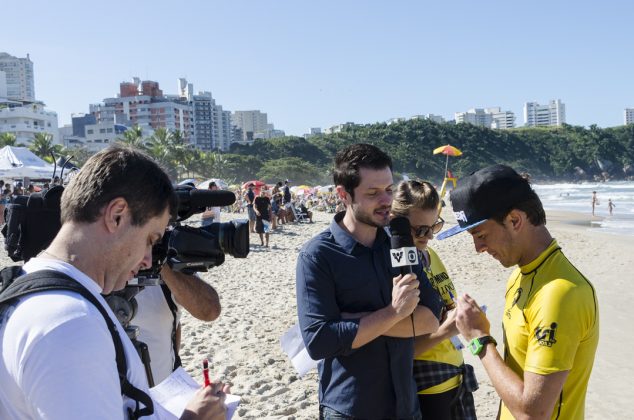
(8, 274)
(46, 280)
(172, 305)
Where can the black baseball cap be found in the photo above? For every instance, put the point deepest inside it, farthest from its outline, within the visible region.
(485, 193)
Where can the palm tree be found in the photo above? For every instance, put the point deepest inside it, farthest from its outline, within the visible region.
(166, 148)
(213, 164)
(42, 145)
(7, 139)
(133, 137)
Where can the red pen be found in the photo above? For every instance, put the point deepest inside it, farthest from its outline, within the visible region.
(206, 372)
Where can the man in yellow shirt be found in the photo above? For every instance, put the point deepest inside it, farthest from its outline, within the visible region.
(551, 315)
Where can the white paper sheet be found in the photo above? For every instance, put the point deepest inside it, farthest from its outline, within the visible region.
(178, 389)
(293, 346)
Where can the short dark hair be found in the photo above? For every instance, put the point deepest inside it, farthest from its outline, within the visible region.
(351, 159)
(118, 171)
(532, 206)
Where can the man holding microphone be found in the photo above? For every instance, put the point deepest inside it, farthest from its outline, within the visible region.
(354, 308)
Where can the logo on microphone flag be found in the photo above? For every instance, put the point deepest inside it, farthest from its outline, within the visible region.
(404, 256)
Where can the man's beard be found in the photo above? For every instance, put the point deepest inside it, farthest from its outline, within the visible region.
(364, 217)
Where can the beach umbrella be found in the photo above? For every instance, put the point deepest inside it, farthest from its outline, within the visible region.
(257, 185)
(190, 181)
(219, 182)
(447, 150)
(325, 189)
(300, 189)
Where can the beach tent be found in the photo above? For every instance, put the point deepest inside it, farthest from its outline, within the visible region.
(20, 162)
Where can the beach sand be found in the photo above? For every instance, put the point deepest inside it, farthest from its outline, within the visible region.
(258, 306)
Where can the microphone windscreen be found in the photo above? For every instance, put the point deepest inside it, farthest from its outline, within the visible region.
(401, 232)
(208, 198)
(403, 253)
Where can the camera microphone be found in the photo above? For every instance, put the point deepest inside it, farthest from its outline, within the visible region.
(403, 253)
(192, 200)
(209, 198)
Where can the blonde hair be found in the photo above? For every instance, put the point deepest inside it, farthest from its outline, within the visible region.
(414, 194)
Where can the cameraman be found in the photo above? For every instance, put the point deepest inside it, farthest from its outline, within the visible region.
(57, 357)
(159, 325)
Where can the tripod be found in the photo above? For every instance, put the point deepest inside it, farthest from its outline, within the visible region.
(125, 307)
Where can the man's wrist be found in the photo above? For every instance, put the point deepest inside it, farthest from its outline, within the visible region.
(393, 313)
(479, 344)
(475, 334)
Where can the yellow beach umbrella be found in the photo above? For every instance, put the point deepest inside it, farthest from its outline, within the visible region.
(447, 150)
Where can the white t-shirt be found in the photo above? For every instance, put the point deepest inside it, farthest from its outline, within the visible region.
(58, 358)
(155, 321)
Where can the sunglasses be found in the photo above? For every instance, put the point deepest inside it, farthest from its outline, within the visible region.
(423, 230)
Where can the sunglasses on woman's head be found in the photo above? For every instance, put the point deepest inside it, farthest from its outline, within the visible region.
(423, 230)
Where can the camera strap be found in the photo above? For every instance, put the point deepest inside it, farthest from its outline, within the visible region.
(167, 293)
(46, 280)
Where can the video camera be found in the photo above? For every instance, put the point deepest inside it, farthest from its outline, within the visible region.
(33, 221)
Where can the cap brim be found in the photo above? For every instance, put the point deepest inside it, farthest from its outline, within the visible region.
(457, 229)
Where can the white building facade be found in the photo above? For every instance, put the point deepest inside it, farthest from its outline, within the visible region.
(18, 77)
(628, 116)
(487, 117)
(552, 114)
(24, 120)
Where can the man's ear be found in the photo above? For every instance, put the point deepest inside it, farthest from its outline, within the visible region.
(516, 220)
(115, 212)
(343, 194)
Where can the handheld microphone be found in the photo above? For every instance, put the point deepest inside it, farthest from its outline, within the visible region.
(403, 253)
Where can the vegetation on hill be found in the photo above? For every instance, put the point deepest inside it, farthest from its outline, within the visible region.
(566, 153)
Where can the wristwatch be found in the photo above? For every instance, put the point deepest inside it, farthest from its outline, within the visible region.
(477, 344)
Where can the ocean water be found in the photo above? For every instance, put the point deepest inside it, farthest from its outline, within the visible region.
(578, 198)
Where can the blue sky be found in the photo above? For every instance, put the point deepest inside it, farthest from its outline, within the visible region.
(319, 63)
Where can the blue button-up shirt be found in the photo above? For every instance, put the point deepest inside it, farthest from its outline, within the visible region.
(337, 274)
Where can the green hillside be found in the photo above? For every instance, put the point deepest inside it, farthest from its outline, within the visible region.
(565, 153)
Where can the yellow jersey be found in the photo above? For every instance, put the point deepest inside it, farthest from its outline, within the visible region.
(444, 351)
(551, 324)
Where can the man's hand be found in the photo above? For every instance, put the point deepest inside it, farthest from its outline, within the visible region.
(470, 320)
(405, 294)
(208, 403)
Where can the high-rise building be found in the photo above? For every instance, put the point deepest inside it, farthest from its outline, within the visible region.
(552, 114)
(203, 118)
(628, 116)
(3, 85)
(250, 122)
(143, 104)
(211, 125)
(19, 79)
(502, 120)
